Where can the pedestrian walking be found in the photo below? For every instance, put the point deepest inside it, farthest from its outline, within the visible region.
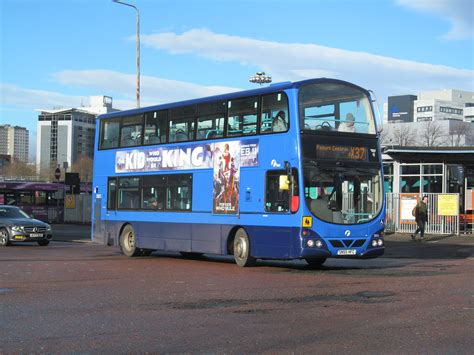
(421, 217)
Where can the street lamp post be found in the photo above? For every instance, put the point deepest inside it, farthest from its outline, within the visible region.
(260, 78)
(138, 47)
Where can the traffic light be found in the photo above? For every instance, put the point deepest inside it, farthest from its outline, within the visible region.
(74, 182)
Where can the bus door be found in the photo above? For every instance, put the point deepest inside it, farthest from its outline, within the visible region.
(281, 201)
(99, 227)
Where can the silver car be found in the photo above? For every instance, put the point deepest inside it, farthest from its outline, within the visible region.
(17, 226)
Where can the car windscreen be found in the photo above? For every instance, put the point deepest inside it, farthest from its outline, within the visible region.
(12, 213)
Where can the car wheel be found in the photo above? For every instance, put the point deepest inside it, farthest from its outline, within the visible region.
(43, 242)
(128, 242)
(242, 254)
(4, 239)
(315, 263)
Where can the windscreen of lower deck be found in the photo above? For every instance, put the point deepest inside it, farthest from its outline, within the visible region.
(343, 194)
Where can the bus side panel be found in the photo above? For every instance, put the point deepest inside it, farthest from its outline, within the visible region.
(272, 242)
(189, 237)
(165, 236)
(209, 238)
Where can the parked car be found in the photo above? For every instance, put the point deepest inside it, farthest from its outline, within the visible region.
(17, 226)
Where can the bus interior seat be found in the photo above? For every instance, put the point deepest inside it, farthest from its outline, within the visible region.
(153, 139)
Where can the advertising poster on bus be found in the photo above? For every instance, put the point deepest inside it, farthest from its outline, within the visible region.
(226, 157)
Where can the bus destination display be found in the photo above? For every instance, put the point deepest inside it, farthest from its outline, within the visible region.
(344, 152)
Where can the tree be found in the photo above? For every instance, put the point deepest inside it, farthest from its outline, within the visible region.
(17, 169)
(403, 135)
(431, 135)
(83, 166)
(458, 131)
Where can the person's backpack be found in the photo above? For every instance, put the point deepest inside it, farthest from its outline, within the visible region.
(413, 212)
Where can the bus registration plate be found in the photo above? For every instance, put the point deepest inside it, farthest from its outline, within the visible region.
(346, 252)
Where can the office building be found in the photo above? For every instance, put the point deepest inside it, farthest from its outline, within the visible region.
(14, 142)
(431, 118)
(66, 134)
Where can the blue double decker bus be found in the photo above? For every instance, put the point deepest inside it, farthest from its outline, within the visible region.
(289, 171)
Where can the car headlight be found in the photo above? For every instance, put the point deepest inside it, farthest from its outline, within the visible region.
(48, 228)
(18, 229)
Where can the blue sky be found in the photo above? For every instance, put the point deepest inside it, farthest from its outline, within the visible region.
(58, 52)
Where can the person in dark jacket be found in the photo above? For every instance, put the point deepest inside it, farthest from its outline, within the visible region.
(421, 216)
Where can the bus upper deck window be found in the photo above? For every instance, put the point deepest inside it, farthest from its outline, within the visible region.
(110, 133)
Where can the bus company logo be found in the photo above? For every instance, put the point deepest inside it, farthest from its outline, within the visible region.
(274, 164)
(347, 233)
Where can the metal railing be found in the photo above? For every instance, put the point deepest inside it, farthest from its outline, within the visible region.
(399, 218)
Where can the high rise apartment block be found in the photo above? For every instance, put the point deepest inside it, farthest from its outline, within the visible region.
(14, 142)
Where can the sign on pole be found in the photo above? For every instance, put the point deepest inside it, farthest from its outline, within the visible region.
(57, 173)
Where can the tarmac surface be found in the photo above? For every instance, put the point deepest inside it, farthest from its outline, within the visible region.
(75, 296)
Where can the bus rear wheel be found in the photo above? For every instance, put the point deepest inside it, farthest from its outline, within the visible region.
(128, 242)
(314, 263)
(242, 254)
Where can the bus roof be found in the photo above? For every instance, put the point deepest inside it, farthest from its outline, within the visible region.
(237, 94)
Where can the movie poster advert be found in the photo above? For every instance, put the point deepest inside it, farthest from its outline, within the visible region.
(227, 162)
(249, 152)
(189, 156)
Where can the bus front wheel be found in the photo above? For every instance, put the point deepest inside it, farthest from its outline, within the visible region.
(242, 254)
(128, 242)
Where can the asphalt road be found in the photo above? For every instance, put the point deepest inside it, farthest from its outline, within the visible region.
(81, 297)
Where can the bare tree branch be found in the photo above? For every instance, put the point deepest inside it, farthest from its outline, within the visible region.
(431, 135)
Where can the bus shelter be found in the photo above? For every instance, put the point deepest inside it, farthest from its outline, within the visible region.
(441, 173)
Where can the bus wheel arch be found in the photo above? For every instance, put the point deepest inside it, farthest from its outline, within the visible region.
(127, 241)
(241, 247)
(230, 240)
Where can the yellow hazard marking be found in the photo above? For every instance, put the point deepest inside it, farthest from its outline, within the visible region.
(307, 221)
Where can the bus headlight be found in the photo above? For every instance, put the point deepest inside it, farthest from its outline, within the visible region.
(374, 243)
(310, 243)
(380, 242)
(319, 244)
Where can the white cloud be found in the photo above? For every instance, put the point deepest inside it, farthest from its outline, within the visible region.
(460, 13)
(118, 85)
(296, 61)
(14, 95)
(153, 90)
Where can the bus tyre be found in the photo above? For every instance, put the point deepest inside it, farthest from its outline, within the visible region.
(146, 252)
(128, 242)
(315, 263)
(4, 241)
(242, 253)
(43, 242)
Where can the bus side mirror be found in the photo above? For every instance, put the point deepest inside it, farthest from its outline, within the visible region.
(287, 167)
